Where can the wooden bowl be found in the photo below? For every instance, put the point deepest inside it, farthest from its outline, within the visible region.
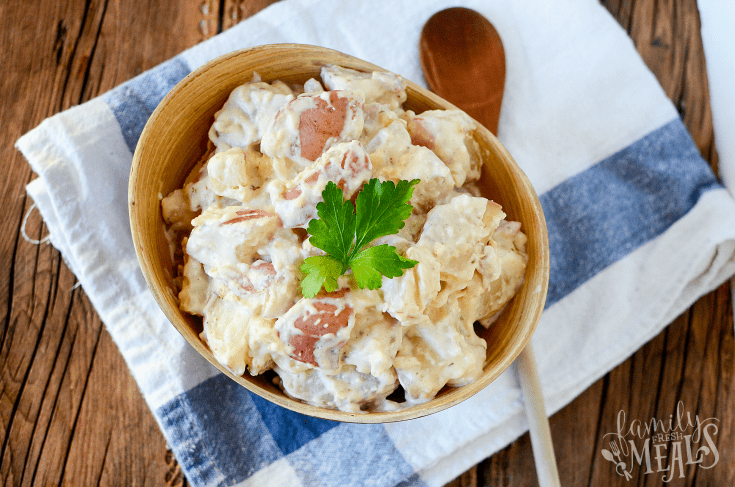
(175, 138)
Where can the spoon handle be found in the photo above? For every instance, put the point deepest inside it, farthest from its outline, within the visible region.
(543, 448)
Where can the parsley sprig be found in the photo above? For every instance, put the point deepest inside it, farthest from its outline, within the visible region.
(345, 232)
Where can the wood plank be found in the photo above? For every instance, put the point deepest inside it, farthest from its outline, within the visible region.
(711, 384)
(53, 429)
(667, 37)
(235, 11)
(31, 290)
(511, 466)
(60, 368)
(114, 413)
(467, 479)
(29, 351)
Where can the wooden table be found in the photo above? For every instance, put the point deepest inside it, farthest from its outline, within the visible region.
(72, 414)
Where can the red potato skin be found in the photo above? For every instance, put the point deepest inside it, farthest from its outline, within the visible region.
(317, 125)
(250, 214)
(316, 325)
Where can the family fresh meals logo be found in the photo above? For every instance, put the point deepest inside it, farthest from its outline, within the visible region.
(662, 447)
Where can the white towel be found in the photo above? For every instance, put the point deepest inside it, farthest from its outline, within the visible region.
(639, 228)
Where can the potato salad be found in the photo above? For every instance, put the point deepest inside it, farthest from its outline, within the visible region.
(239, 227)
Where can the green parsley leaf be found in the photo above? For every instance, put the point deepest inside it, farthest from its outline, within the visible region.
(381, 209)
(344, 232)
(368, 265)
(335, 231)
(320, 270)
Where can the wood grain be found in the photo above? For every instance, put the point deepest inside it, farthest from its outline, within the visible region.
(69, 411)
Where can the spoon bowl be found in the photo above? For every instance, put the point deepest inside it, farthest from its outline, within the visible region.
(463, 61)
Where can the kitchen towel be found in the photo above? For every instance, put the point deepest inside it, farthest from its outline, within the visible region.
(639, 228)
(718, 41)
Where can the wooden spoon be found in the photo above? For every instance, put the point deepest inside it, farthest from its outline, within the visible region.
(463, 61)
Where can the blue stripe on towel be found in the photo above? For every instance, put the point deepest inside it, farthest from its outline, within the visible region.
(216, 432)
(601, 215)
(222, 434)
(290, 430)
(352, 454)
(133, 102)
